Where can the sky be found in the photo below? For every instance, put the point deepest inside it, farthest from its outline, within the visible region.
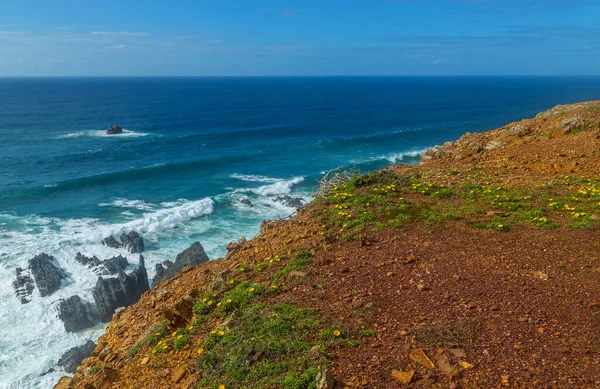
(299, 38)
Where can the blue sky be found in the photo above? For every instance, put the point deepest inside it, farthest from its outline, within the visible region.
(308, 37)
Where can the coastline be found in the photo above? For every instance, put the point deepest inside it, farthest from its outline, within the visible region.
(423, 263)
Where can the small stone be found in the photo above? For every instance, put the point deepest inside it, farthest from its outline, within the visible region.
(144, 361)
(404, 377)
(465, 365)
(458, 353)
(179, 374)
(419, 356)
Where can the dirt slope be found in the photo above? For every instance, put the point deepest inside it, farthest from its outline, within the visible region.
(479, 268)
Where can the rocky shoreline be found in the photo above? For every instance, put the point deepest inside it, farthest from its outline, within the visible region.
(475, 269)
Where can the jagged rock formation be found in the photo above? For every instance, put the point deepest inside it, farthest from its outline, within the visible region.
(76, 314)
(23, 285)
(193, 255)
(289, 201)
(114, 129)
(47, 276)
(111, 242)
(112, 293)
(73, 357)
(110, 266)
(133, 242)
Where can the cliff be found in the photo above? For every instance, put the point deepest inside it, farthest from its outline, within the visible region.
(478, 268)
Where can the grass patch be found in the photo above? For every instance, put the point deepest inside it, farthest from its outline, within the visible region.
(265, 346)
(300, 260)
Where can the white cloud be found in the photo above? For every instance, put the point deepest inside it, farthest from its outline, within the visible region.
(439, 61)
(118, 47)
(213, 41)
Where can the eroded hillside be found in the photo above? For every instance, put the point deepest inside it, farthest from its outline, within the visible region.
(479, 268)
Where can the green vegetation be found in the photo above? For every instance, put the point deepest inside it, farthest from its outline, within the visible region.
(385, 199)
(159, 332)
(95, 368)
(264, 346)
(300, 260)
(180, 338)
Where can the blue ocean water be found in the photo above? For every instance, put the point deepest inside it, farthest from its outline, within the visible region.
(192, 149)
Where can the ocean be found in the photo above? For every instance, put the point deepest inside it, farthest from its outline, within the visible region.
(192, 149)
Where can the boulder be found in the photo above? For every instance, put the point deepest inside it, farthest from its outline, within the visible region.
(289, 201)
(73, 358)
(110, 266)
(112, 293)
(193, 256)
(114, 129)
(111, 242)
(115, 264)
(76, 314)
(133, 242)
(571, 124)
(46, 274)
(23, 285)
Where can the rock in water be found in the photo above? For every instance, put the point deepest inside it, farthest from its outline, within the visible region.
(112, 293)
(47, 276)
(193, 255)
(133, 242)
(73, 358)
(23, 285)
(75, 313)
(114, 129)
(111, 242)
(107, 267)
(115, 264)
(289, 201)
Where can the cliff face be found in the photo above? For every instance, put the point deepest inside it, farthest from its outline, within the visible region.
(478, 268)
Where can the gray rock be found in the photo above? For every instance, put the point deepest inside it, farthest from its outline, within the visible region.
(111, 242)
(110, 266)
(193, 255)
(246, 202)
(73, 358)
(114, 129)
(46, 274)
(288, 201)
(133, 242)
(571, 124)
(23, 285)
(76, 314)
(518, 130)
(112, 293)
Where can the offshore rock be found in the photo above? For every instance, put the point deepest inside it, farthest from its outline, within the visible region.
(73, 357)
(289, 201)
(114, 129)
(193, 256)
(112, 293)
(110, 266)
(23, 285)
(47, 276)
(111, 242)
(133, 242)
(76, 314)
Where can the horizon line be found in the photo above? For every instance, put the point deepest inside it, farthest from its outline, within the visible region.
(311, 76)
